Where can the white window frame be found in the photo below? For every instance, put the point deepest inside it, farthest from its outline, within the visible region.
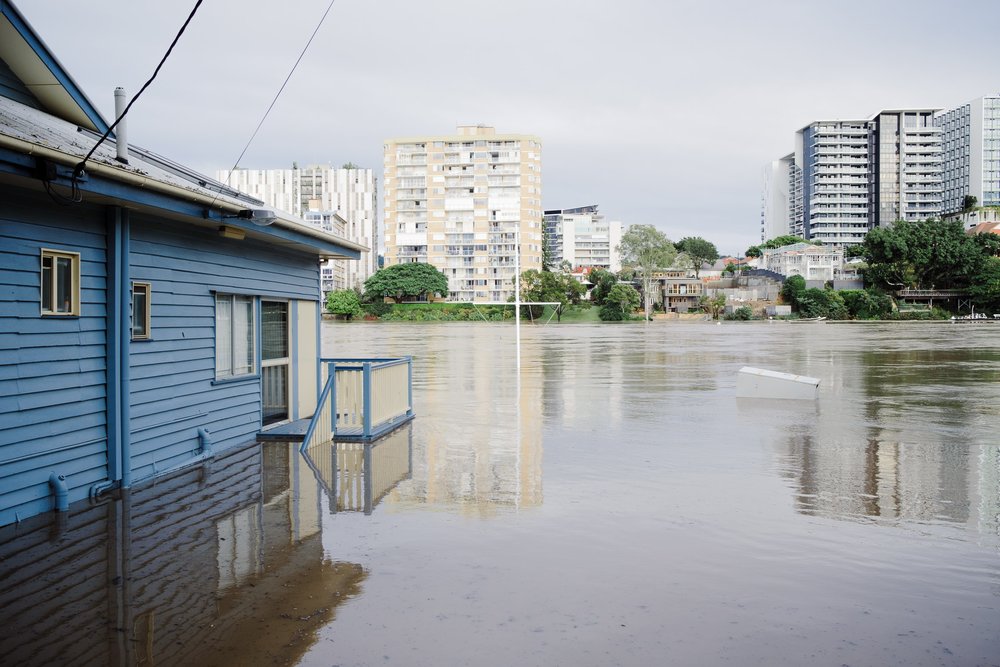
(51, 309)
(147, 289)
(229, 345)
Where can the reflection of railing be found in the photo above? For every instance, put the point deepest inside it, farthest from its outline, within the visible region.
(362, 399)
(357, 475)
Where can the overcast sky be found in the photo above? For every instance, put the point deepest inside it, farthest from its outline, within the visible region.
(661, 112)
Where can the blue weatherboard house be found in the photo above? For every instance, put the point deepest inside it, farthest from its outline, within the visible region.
(149, 316)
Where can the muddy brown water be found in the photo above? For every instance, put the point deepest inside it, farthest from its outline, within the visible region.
(613, 503)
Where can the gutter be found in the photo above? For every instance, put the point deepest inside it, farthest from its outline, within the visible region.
(220, 202)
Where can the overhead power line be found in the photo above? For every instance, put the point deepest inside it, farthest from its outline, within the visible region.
(280, 90)
(78, 171)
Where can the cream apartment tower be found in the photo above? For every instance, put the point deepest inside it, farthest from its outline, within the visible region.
(465, 203)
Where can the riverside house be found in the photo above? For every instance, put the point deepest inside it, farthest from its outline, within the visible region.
(149, 316)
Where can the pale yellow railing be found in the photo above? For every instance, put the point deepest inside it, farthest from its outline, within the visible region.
(390, 394)
(368, 397)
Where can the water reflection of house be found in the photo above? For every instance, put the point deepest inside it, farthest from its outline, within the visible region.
(151, 316)
(356, 476)
(218, 564)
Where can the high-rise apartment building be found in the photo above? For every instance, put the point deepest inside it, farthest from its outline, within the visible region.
(971, 136)
(344, 201)
(849, 176)
(582, 237)
(781, 202)
(833, 155)
(906, 167)
(465, 203)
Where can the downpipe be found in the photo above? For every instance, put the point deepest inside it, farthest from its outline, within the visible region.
(98, 490)
(60, 490)
(205, 439)
(205, 451)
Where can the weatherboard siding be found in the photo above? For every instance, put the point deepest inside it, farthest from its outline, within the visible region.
(172, 376)
(53, 408)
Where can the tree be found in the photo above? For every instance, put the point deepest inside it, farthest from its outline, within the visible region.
(854, 252)
(989, 243)
(561, 288)
(926, 254)
(867, 304)
(548, 259)
(778, 242)
(699, 250)
(602, 281)
(985, 291)
(713, 305)
(646, 250)
(969, 203)
(413, 279)
(816, 302)
(619, 303)
(344, 302)
(792, 288)
(683, 261)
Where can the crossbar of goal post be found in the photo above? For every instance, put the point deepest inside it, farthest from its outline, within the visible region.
(476, 304)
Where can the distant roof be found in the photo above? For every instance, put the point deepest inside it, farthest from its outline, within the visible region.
(800, 247)
(579, 210)
(985, 228)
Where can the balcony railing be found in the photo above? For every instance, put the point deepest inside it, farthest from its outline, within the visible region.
(362, 399)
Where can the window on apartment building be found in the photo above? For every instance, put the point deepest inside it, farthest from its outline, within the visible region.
(234, 336)
(141, 300)
(60, 282)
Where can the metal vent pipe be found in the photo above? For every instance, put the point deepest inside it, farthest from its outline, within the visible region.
(121, 134)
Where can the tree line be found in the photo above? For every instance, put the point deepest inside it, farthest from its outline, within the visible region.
(922, 255)
(644, 251)
(909, 255)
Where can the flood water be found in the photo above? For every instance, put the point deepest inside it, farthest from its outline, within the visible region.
(611, 503)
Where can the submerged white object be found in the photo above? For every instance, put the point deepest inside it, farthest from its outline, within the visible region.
(760, 383)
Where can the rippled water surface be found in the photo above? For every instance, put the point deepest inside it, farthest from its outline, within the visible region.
(610, 503)
(615, 503)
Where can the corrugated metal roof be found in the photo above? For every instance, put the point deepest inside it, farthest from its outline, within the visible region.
(71, 143)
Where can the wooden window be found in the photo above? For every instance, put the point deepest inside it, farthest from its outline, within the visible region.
(60, 285)
(235, 336)
(141, 302)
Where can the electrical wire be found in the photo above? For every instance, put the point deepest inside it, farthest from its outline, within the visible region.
(280, 90)
(75, 195)
(78, 171)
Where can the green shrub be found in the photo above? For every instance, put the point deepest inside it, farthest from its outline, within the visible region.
(743, 314)
(376, 308)
(867, 304)
(932, 314)
(815, 302)
(611, 313)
